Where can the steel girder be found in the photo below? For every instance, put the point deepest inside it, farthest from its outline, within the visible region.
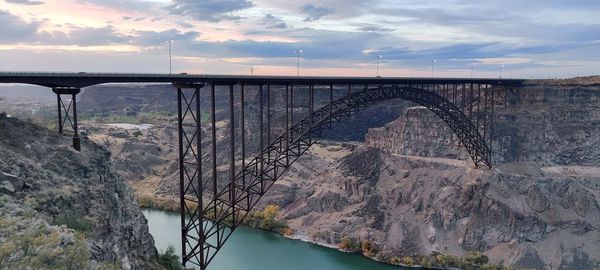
(207, 226)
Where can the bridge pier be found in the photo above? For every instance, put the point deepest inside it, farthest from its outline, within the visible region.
(69, 109)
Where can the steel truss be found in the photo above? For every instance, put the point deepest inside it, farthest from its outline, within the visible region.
(207, 223)
(70, 112)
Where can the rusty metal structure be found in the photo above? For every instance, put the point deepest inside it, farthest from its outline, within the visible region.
(213, 206)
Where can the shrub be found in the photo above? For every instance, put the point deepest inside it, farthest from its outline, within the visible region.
(408, 261)
(368, 248)
(169, 259)
(426, 262)
(267, 220)
(347, 244)
(75, 222)
(394, 260)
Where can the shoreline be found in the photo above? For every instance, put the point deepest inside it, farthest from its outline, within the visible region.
(294, 236)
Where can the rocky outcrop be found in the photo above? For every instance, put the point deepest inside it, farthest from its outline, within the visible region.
(68, 195)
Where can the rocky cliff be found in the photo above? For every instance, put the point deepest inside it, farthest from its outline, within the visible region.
(63, 209)
(412, 190)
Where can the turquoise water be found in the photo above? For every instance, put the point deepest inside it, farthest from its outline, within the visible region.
(251, 249)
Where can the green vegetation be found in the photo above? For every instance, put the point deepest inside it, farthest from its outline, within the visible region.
(169, 260)
(42, 247)
(473, 261)
(348, 244)
(166, 204)
(75, 222)
(267, 220)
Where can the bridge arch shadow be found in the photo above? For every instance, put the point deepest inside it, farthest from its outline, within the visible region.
(209, 227)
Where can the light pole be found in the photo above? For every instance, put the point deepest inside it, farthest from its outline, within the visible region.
(501, 68)
(432, 62)
(170, 42)
(298, 52)
(378, 58)
(472, 64)
(252, 71)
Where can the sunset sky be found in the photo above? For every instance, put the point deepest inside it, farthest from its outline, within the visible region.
(533, 38)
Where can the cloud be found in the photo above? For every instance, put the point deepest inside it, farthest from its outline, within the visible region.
(154, 38)
(272, 22)
(25, 2)
(208, 10)
(315, 13)
(15, 29)
(185, 25)
(374, 28)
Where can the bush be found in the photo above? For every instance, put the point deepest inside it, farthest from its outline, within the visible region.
(426, 262)
(394, 260)
(368, 248)
(347, 244)
(408, 261)
(267, 220)
(75, 222)
(169, 260)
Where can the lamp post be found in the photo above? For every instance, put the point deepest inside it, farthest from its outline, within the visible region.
(378, 59)
(432, 62)
(298, 52)
(501, 68)
(170, 42)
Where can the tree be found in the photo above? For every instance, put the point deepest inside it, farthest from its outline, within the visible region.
(169, 259)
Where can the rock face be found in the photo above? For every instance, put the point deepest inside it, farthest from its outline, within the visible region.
(412, 190)
(71, 195)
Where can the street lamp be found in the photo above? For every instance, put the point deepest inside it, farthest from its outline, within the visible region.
(432, 62)
(170, 42)
(378, 58)
(501, 68)
(298, 52)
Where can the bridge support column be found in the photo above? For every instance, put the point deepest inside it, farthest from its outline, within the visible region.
(70, 112)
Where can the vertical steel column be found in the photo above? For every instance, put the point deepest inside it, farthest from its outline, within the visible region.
(287, 126)
(214, 145)
(269, 120)
(181, 178)
(262, 161)
(310, 111)
(292, 111)
(200, 190)
(471, 103)
(60, 108)
(232, 154)
(76, 139)
(330, 105)
(463, 97)
(243, 127)
(454, 94)
(485, 109)
(492, 124)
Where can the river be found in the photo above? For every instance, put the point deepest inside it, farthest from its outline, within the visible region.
(252, 249)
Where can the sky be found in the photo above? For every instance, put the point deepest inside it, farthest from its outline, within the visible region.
(457, 38)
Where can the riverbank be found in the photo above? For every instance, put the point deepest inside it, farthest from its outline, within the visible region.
(266, 221)
(253, 249)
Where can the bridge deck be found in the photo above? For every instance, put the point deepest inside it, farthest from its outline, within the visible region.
(83, 79)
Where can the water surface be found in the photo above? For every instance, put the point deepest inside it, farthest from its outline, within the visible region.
(252, 249)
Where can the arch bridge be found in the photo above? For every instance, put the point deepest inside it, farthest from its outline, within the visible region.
(212, 207)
